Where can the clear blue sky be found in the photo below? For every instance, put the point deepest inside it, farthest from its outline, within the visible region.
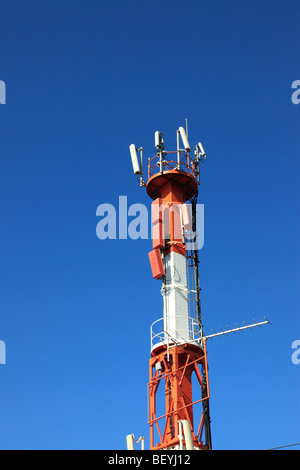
(84, 80)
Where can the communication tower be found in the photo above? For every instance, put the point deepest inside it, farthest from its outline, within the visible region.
(178, 349)
(178, 366)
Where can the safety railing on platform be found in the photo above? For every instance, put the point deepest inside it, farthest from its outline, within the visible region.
(160, 334)
(160, 163)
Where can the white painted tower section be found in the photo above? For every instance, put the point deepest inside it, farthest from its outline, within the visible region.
(175, 294)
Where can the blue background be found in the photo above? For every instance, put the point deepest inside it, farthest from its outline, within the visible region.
(85, 79)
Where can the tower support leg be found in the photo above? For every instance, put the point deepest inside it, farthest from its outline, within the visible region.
(172, 370)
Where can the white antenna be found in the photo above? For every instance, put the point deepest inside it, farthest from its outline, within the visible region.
(234, 330)
(134, 159)
(184, 139)
(159, 141)
(202, 152)
(130, 439)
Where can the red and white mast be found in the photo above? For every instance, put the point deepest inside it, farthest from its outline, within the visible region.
(178, 347)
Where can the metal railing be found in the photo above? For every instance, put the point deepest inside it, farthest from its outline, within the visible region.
(160, 163)
(160, 334)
